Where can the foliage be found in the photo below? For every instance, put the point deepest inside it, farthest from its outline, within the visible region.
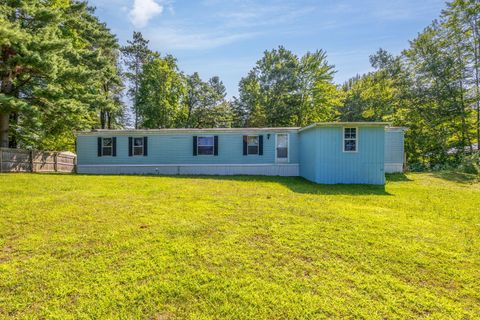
(135, 55)
(160, 92)
(150, 247)
(164, 97)
(470, 163)
(167, 98)
(283, 90)
(206, 103)
(432, 88)
(58, 73)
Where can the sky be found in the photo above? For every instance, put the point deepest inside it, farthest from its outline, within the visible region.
(226, 37)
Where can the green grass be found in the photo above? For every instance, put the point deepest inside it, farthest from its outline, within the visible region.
(124, 247)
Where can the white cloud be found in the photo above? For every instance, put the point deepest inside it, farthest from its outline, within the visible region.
(143, 11)
(179, 38)
(255, 15)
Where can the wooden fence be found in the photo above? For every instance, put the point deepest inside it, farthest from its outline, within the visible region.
(20, 160)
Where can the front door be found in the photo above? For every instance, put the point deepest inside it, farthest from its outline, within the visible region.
(282, 147)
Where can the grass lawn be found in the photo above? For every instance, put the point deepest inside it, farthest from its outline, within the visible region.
(123, 247)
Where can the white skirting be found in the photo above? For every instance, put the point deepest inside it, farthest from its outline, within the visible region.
(191, 169)
(393, 167)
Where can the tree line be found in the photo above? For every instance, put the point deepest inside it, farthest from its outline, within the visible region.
(164, 97)
(432, 87)
(61, 70)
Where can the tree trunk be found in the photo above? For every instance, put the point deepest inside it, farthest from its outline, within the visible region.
(476, 49)
(4, 123)
(135, 103)
(463, 113)
(13, 143)
(102, 119)
(465, 136)
(109, 120)
(6, 88)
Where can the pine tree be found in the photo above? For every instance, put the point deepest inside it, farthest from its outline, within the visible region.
(56, 58)
(135, 54)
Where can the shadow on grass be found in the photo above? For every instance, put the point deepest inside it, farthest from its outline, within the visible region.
(397, 177)
(301, 185)
(458, 177)
(296, 184)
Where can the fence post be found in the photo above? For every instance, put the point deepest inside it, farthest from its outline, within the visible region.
(55, 161)
(1, 160)
(32, 157)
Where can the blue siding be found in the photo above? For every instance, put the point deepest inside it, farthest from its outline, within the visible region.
(332, 165)
(394, 146)
(307, 154)
(318, 151)
(169, 148)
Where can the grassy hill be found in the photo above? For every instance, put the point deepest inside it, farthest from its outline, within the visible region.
(74, 246)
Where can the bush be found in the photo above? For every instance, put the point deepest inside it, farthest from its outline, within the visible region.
(470, 164)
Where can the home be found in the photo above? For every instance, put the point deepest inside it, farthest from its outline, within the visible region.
(329, 153)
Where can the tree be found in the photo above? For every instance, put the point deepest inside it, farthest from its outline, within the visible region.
(277, 74)
(105, 81)
(283, 90)
(29, 52)
(462, 19)
(206, 103)
(250, 104)
(160, 94)
(430, 88)
(437, 86)
(48, 87)
(319, 96)
(135, 55)
(195, 99)
(217, 112)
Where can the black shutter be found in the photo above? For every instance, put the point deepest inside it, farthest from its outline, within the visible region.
(114, 146)
(194, 145)
(215, 145)
(260, 145)
(145, 146)
(245, 145)
(99, 146)
(130, 146)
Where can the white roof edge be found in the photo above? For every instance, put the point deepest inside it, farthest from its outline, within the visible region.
(397, 128)
(183, 130)
(355, 124)
(225, 130)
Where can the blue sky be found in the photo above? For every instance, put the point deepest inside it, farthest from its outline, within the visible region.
(227, 37)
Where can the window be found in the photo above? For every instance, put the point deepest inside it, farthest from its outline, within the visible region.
(107, 146)
(252, 145)
(205, 146)
(138, 146)
(349, 139)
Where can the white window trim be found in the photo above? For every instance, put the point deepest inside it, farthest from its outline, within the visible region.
(356, 139)
(213, 145)
(258, 145)
(111, 147)
(133, 147)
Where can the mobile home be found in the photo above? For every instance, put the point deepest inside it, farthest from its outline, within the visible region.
(329, 153)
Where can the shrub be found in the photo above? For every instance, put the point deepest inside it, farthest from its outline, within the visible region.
(470, 163)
